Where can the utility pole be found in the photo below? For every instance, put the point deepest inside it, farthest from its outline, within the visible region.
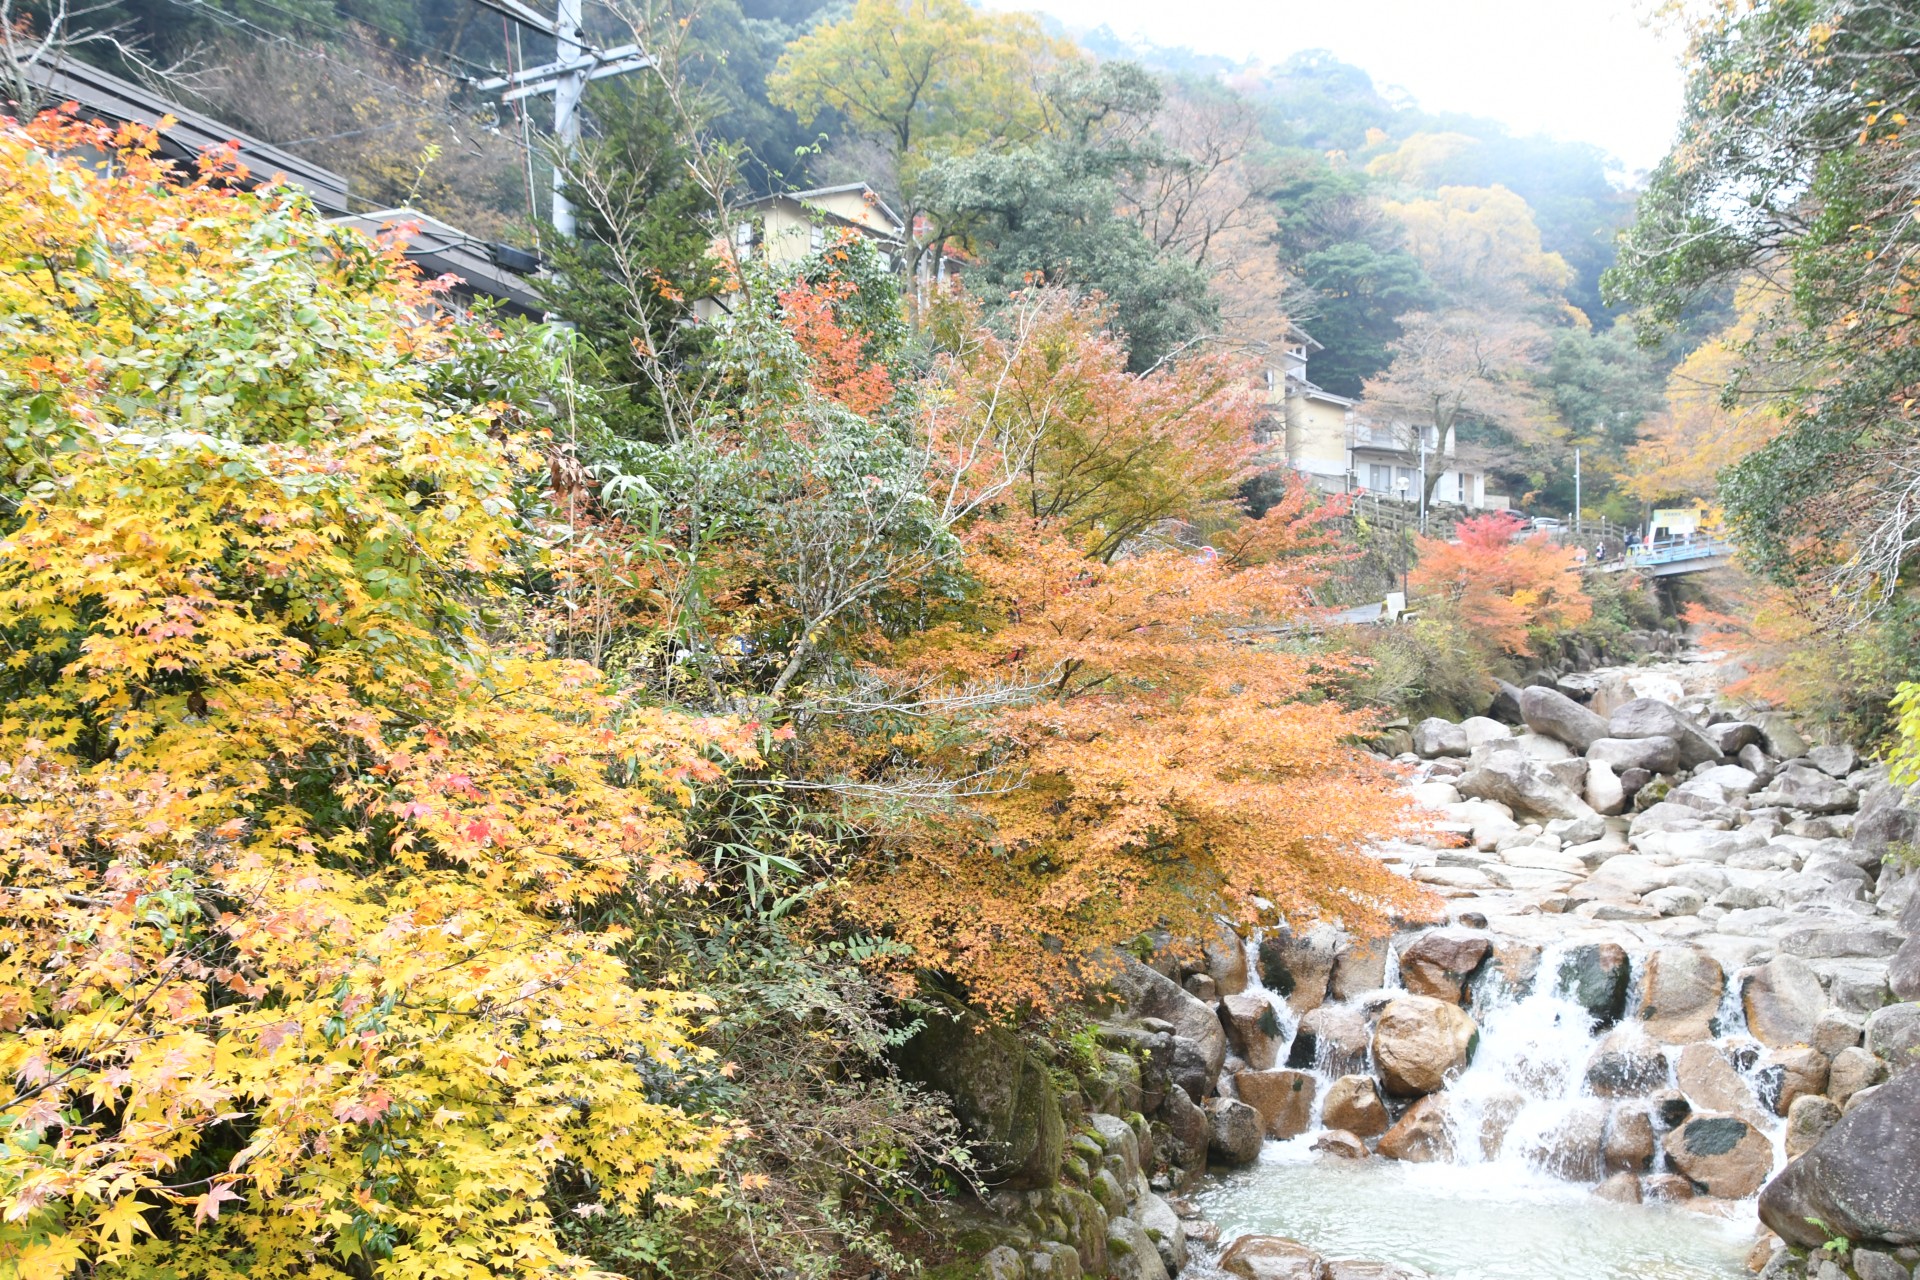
(1423, 481)
(1576, 492)
(575, 63)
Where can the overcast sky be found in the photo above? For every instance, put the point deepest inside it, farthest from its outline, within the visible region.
(1587, 70)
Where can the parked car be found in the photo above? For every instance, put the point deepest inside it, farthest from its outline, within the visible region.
(1547, 524)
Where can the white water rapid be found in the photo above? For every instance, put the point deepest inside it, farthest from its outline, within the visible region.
(1512, 1204)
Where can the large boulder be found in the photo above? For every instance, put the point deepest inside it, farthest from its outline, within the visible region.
(1181, 1133)
(1523, 786)
(1596, 976)
(1852, 1071)
(1441, 962)
(1680, 993)
(1722, 1156)
(1334, 1038)
(1858, 1178)
(1779, 737)
(1605, 791)
(1299, 967)
(1893, 1035)
(1553, 713)
(1234, 1132)
(1657, 754)
(1419, 1043)
(1808, 1120)
(1353, 1103)
(1271, 1258)
(1903, 970)
(1710, 1081)
(1798, 787)
(1003, 1096)
(1131, 1253)
(1422, 1135)
(1146, 993)
(1434, 737)
(1626, 1065)
(1283, 1098)
(1253, 1029)
(1783, 1001)
(1648, 718)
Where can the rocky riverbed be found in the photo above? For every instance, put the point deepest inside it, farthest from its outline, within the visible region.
(1674, 969)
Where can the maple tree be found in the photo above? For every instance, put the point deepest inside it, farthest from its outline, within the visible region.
(1506, 589)
(310, 952)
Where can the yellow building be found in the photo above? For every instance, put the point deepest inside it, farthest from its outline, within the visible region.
(786, 228)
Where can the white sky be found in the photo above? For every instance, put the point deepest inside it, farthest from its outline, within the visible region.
(1584, 70)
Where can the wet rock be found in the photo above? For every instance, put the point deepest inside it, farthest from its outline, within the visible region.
(1621, 1188)
(1783, 1000)
(1721, 1155)
(1253, 1029)
(1553, 713)
(1680, 993)
(1353, 1103)
(1595, 976)
(1299, 968)
(1420, 1042)
(1421, 1135)
(1858, 1178)
(1631, 1143)
(1647, 718)
(1497, 1114)
(1523, 786)
(1360, 965)
(1441, 962)
(1656, 754)
(1283, 1098)
(1435, 737)
(1575, 1148)
(1234, 1132)
(1808, 1120)
(1341, 1143)
(1708, 1078)
(1626, 1065)
(1131, 1254)
(1893, 1035)
(1788, 1074)
(1854, 1069)
(1333, 1038)
(1227, 963)
(1271, 1258)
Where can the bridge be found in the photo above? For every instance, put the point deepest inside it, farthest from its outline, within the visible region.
(1669, 559)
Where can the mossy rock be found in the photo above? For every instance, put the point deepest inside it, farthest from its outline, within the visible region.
(1004, 1097)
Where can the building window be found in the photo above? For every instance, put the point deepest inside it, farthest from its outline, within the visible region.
(817, 238)
(1379, 478)
(743, 235)
(1404, 479)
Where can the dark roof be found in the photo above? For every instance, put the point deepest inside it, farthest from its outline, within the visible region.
(107, 96)
(494, 270)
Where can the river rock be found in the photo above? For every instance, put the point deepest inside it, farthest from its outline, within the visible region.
(1721, 1155)
(1341, 1143)
(1595, 976)
(1441, 962)
(1359, 965)
(1002, 1262)
(1299, 967)
(1781, 739)
(1734, 736)
(1630, 1141)
(1435, 737)
(1783, 1001)
(1886, 826)
(1858, 1178)
(1182, 1134)
(1675, 900)
(1574, 1149)
(1002, 1095)
(1226, 959)
(1253, 1029)
(1871, 1264)
(1283, 1098)
(1647, 718)
(1893, 1035)
(1626, 1065)
(1131, 1253)
(1353, 1103)
(1808, 1120)
(1852, 1070)
(1605, 793)
(1481, 730)
(1666, 1188)
(1553, 713)
(1147, 993)
(1853, 939)
(1798, 787)
(1708, 1078)
(1163, 1226)
(1656, 754)
(1835, 761)
(1367, 1269)
(1525, 787)
(1419, 1042)
(1421, 1135)
(1621, 1188)
(1680, 992)
(1333, 1038)
(1271, 1258)
(1234, 1132)
(1788, 1074)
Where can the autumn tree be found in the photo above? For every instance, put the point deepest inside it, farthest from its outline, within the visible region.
(1482, 247)
(922, 79)
(314, 879)
(1506, 590)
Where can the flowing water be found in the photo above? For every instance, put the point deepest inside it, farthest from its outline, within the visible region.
(1512, 1205)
